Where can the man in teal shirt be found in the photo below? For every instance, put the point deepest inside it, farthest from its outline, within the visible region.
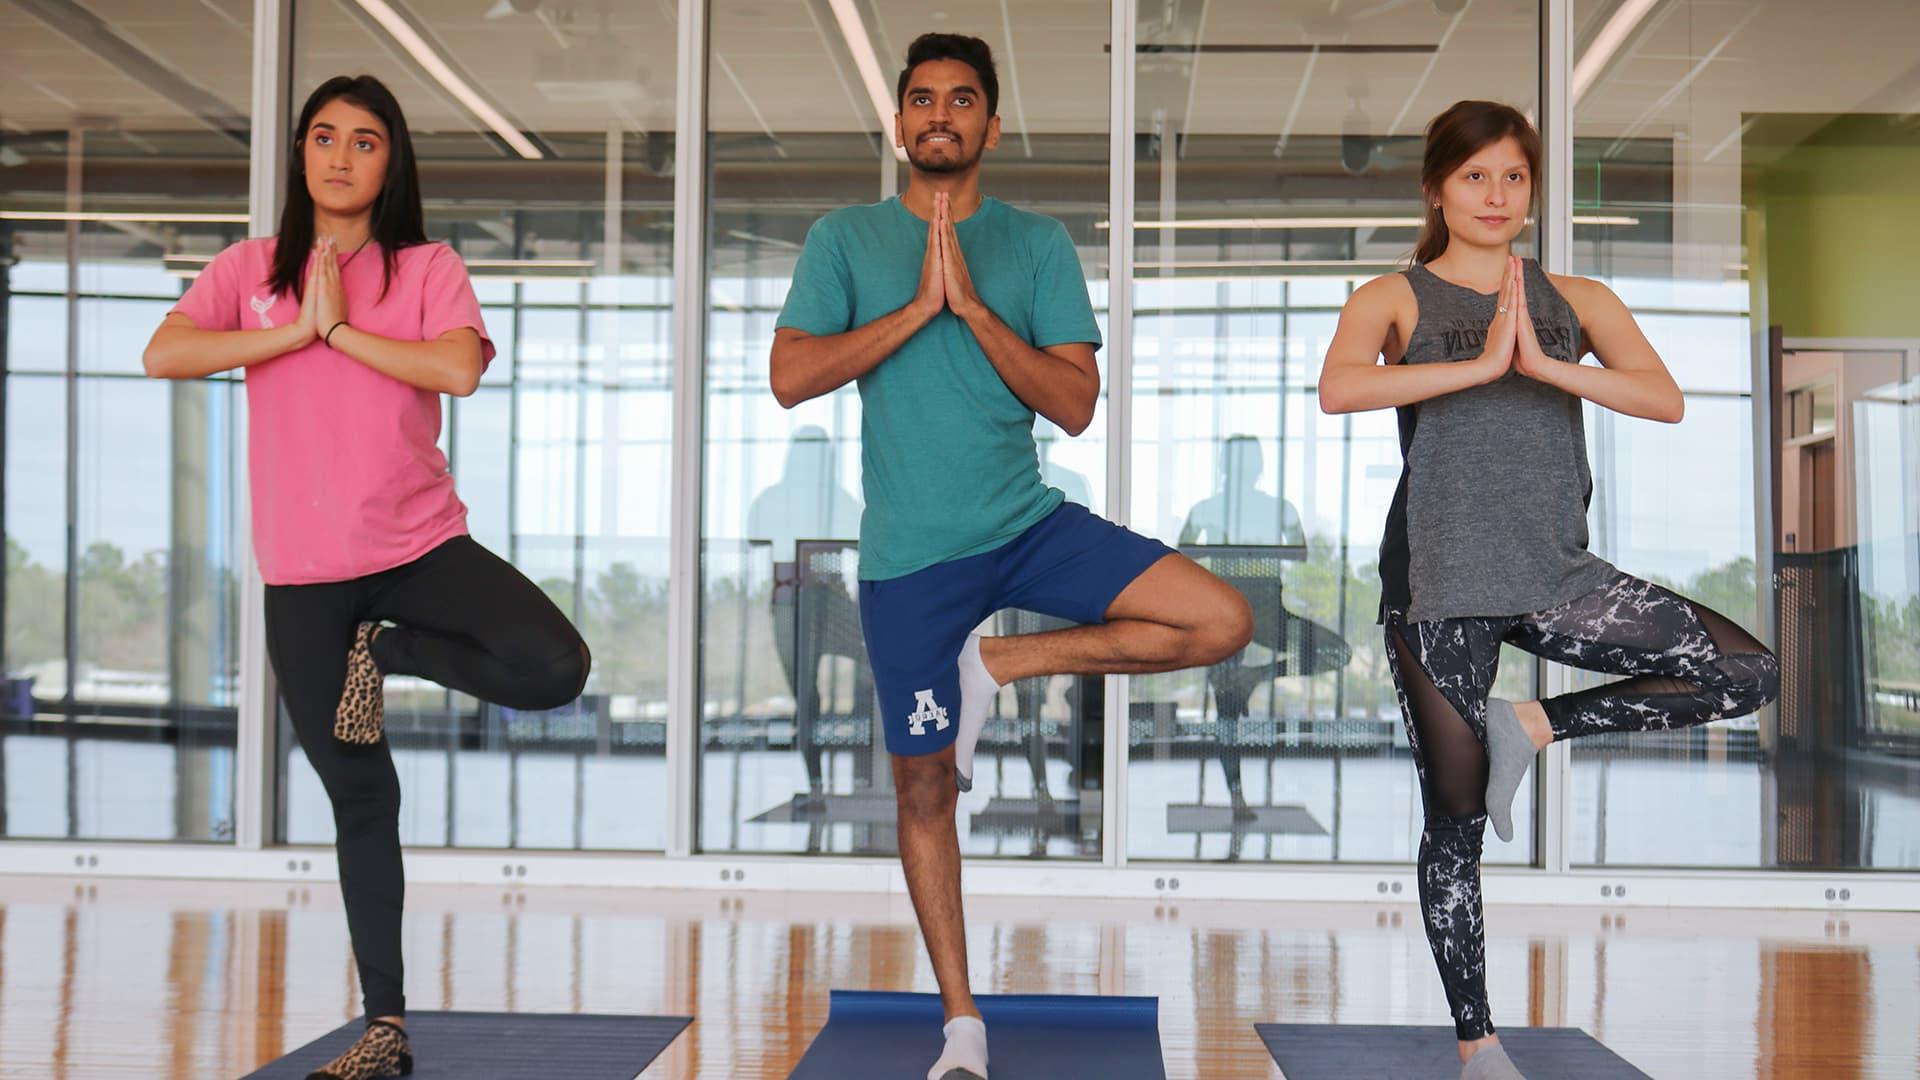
(961, 317)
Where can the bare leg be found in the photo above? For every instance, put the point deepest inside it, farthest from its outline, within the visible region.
(1174, 616)
(1534, 719)
(1468, 1049)
(925, 795)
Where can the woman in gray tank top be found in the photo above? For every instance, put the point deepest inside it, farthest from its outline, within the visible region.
(1486, 541)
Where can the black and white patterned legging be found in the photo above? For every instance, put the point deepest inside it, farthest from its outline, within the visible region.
(1685, 663)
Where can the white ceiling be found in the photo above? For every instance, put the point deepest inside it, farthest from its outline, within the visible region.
(779, 65)
(47, 81)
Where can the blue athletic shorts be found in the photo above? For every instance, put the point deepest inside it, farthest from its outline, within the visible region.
(1071, 565)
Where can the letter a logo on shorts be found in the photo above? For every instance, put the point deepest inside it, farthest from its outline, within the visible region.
(925, 711)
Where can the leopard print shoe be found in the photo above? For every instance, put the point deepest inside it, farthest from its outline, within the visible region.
(361, 718)
(381, 1052)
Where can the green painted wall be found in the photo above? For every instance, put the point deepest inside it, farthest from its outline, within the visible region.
(1842, 222)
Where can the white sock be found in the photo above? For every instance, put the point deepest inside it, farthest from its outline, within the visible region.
(966, 1049)
(977, 691)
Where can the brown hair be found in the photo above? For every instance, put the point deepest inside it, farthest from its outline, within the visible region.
(1453, 137)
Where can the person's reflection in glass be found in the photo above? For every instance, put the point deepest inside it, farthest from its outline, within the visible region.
(1239, 514)
(813, 616)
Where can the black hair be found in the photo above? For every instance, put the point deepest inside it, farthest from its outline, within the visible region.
(971, 51)
(398, 221)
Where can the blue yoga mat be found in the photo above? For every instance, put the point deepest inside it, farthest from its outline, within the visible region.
(1398, 1052)
(1029, 1036)
(506, 1046)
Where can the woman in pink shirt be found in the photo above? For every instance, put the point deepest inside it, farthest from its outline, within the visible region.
(350, 326)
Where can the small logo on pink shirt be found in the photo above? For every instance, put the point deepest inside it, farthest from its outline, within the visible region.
(261, 305)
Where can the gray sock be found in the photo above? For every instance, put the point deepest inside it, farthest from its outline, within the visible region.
(1509, 753)
(1491, 1063)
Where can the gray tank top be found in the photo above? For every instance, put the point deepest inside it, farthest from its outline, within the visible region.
(1490, 517)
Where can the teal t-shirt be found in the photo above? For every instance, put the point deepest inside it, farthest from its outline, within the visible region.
(947, 455)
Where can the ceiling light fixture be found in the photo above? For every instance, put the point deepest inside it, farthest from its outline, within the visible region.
(868, 63)
(1335, 222)
(428, 57)
(1324, 266)
(89, 216)
(1626, 19)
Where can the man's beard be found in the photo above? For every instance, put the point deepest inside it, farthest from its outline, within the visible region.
(941, 166)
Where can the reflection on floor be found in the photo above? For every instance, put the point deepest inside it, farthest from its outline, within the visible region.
(118, 978)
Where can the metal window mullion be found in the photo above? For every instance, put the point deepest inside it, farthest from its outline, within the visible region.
(254, 777)
(1120, 164)
(1555, 219)
(689, 350)
(1553, 791)
(70, 631)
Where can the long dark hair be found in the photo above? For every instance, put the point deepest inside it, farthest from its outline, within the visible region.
(1453, 137)
(398, 221)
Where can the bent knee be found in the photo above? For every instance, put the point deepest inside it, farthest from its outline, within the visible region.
(1227, 629)
(570, 673)
(558, 681)
(1753, 679)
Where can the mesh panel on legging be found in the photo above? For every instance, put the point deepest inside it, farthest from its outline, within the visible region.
(1452, 764)
(1686, 663)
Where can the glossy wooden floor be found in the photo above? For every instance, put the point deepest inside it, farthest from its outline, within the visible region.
(151, 978)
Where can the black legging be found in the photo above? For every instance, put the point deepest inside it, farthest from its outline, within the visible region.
(1687, 665)
(465, 619)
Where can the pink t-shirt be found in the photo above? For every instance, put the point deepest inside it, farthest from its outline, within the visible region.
(347, 479)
